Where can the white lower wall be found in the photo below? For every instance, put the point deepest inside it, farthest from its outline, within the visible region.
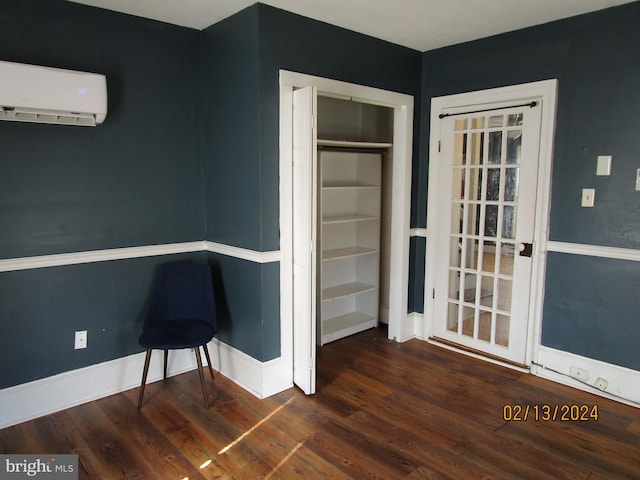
(623, 383)
(48, 395)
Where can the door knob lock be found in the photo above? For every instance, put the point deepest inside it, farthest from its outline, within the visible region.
(525, 249)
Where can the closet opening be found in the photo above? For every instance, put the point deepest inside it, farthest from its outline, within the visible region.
(363, 122)
(354, 172)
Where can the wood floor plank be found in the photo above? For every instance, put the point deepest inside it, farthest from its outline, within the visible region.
(382, 410)
(600, 454)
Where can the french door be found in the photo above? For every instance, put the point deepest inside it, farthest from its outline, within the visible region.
(484, 231)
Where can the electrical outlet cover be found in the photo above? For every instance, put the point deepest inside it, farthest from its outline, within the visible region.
(80, 340)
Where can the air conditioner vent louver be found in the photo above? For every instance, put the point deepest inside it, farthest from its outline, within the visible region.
(31, 93)
(41, 116)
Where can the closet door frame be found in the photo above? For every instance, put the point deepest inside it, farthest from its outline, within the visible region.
(401, 326)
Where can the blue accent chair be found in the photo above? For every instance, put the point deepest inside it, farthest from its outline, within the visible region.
(181, 315)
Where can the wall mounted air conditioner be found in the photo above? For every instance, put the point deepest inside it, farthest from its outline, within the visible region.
(30, 93)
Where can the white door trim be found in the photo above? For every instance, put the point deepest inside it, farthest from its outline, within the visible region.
(546, 91)
(400, 326)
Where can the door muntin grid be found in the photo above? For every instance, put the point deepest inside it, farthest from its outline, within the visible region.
(484, 200)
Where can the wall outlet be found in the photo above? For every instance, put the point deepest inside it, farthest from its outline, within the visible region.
(579, 373)
(81, 339)
(602, 384)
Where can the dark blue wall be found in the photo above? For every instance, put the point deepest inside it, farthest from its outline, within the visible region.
(242, 56)
(595, 57)
(592, 308)
(41, 309)
(231, 131)
(299, 44)
(134, 180)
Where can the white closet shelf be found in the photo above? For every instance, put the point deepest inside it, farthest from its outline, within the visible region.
(335, 185)
(345, 290)
(348, 324)
(347, 252)
(351, 144)
(348, 218)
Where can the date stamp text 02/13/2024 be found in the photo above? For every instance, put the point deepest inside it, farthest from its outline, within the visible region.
(550, 413)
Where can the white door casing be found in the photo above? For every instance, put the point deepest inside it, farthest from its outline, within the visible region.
(401, 327)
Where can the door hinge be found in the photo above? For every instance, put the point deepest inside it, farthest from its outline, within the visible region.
(433, 294)
(439, 145)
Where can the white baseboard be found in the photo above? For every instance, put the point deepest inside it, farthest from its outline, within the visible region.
(48, 395)
(262, 379)
(624, 383)
(417, 319)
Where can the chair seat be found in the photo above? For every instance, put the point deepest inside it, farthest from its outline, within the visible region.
(175, 334)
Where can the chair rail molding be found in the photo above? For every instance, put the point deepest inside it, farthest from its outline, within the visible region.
(75, 258)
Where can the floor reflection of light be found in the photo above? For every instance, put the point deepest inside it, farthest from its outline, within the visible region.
(248, 432)
(284, 460)
(205, 464)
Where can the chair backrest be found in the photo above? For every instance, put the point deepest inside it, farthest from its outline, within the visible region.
(183, 291)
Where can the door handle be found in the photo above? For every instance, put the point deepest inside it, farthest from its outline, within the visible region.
(525, 249)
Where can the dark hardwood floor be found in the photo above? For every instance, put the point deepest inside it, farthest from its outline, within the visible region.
(382, 410)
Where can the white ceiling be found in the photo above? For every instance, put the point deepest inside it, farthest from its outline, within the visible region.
(419, 24)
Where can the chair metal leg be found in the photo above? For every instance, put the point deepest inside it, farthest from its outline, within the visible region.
(201, 372)
(205, 347)
(144, 378)
(166, 356)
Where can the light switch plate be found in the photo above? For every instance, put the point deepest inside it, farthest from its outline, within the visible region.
(604, 165)
(588, 197)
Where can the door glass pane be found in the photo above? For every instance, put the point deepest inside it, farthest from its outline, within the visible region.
(496, 121)
(458, 184)
(514, 144)
(495, 147)
(484, 326)
(452, 317)
(508, 222)
(486, 292)
(507, 252)
(493, 184)
(504, 295)
(477, 122)
(475, 184)
(491, 221)
(454, 284)
(477, 148)
(459, 148)
(471, 254)
(470, 287)
(514, 120)
(455, 252)
(468, 321)
(457, 216)
(502, 330)
(511, 185)
(461, 124)
(473, 219)
(488, 261)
